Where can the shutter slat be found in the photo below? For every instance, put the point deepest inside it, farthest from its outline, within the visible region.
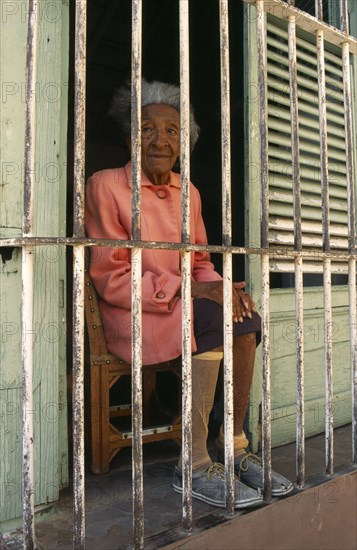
(281, 214)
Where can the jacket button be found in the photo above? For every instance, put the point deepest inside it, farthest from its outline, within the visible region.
(160, 295)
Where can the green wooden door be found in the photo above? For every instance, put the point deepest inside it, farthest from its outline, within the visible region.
(281, 228)
(49, 411)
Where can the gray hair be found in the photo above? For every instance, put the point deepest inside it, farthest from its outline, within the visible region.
(151, 93)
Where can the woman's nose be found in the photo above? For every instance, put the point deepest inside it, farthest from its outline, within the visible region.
(159, 138)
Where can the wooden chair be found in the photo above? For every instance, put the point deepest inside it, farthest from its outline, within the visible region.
(106, 439)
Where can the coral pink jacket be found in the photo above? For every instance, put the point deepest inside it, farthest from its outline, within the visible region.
(108, 215)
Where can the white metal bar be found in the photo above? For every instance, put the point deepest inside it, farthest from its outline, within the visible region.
(28, 505)
(136, 279)
(326, 248)
(185, 268)
(319, 12)
(344, 16)
(351, 208)
(227, 256)
(78, 399)
(263, 112)
(78, 277)
(295, 148)
(353, 336)
(323, 140)
(328, 367)
(300, 414)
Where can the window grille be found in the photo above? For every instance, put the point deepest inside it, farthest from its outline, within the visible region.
(296, 229)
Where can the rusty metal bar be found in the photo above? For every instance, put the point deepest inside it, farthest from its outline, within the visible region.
(295, 149)
(351, 209)
(326, 248)
(328, 367)
(319, 10)
(263, 112)
(185, 269)
(353, 337)
(136, 281)
(344, 16)
(227, 256)
(274, 251)
(78, 277)
(28, 504)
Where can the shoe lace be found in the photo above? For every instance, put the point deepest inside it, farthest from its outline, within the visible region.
(216, 469)
(244, 463)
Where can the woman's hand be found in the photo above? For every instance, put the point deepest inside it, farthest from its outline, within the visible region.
(242, 302)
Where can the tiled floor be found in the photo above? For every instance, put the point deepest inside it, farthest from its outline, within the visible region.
(108, 497)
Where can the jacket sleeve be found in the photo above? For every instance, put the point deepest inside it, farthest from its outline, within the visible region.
(110, 268)
(203, 268)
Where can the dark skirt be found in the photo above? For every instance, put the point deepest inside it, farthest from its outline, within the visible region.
(208, 325)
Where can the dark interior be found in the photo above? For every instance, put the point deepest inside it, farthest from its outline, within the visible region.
(109, 65)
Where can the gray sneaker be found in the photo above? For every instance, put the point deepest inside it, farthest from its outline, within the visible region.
(249, 469)
(209, 485)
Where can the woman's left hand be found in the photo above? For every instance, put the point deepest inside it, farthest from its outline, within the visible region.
(243, 304)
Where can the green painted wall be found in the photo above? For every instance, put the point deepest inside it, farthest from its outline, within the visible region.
(49, 414)
(282, 306)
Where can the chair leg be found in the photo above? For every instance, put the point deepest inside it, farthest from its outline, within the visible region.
(100, 418)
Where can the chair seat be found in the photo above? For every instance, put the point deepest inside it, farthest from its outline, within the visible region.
(105, 370)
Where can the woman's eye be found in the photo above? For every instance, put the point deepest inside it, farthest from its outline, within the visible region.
(172, 131)
(147, 131)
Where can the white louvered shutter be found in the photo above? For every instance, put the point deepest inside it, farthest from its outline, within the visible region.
(281, 217)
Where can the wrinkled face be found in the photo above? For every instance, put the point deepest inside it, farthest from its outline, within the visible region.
(160, 141)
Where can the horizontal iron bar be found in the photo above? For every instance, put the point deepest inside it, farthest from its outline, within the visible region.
(18, 242)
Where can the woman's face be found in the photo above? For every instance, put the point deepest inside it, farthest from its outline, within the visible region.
(160, 141)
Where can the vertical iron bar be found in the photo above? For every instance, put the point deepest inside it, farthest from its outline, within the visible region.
(344, 16)
(227, 256)
(263, 113)
(28, 504)
(78, 277)
(186, 269)
(136, 281)
(295, 148)
(351, 206)
(319, 10)
(328, 367)
(353, 336)
(326, 248)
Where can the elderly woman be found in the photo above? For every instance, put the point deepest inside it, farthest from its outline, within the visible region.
(108, 216)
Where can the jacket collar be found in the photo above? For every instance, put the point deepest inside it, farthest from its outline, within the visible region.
(174, 179)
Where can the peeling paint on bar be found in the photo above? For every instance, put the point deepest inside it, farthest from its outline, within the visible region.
(78, 276)
(185, 268)
(328, 368)
(353, 336)
(295, 148)
(344, 16)
(300, 410)
(326, 248)
(78, 400)
(351, 206)
(266, 404)
(274, 251)
(28, 505)
(319, 11)
(136, 281)
(227, 256)
(323, 140)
